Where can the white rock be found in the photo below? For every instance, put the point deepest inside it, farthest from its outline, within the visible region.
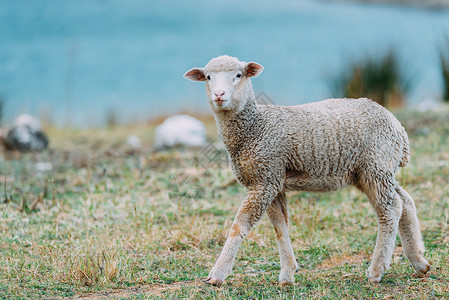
(25, 135)
(134, 142)
(180, 130)
(43, 166)
(427, 104)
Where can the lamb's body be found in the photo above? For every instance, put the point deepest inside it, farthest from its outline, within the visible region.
(323, 146)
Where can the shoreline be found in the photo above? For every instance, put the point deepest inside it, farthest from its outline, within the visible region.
(418, 4)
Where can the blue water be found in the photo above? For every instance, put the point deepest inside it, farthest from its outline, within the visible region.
(77, 60)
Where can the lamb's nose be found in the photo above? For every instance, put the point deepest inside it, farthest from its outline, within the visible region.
(219, 94)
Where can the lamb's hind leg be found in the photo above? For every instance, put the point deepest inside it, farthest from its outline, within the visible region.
(278, 214)
(382, 195)
(410, 233)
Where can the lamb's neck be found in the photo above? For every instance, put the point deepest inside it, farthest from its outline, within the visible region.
(234, 128)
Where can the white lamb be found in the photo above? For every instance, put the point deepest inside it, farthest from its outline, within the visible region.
(323, 146)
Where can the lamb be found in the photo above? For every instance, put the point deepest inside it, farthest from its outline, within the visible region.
(320, 147)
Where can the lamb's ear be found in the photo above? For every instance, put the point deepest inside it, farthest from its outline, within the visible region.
(195, 74)
(253, 69)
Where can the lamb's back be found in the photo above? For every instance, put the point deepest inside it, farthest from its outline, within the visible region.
(336, 137)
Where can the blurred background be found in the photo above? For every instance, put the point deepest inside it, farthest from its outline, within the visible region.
(114, 182)
(83, 63)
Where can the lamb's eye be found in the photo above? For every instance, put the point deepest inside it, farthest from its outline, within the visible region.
(239, 75)
(208, 77)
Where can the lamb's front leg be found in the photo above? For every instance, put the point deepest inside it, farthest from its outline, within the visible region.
(278, 214)
(251, 210)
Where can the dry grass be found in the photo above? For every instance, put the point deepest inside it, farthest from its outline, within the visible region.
(107, 221)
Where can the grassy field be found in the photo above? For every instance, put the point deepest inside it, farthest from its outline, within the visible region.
(107, 221)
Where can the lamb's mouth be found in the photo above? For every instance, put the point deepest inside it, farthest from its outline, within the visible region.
(220, 101)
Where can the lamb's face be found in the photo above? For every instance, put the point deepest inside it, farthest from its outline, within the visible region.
(227, 81)
(220, 87)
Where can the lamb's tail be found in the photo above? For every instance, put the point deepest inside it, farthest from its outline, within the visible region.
(405, 149)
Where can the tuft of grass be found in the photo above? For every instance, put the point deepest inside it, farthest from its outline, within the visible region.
(378, 78)
(112, 118)
(444, 67)
(95, 268)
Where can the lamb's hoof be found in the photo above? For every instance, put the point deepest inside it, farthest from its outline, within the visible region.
(284, 283)
(213, 281)
(422, 267)
(375, 279)
(373, 276)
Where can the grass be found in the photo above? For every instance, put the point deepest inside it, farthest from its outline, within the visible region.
(107, 221)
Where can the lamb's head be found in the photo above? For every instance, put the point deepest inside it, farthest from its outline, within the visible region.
(228, 83)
